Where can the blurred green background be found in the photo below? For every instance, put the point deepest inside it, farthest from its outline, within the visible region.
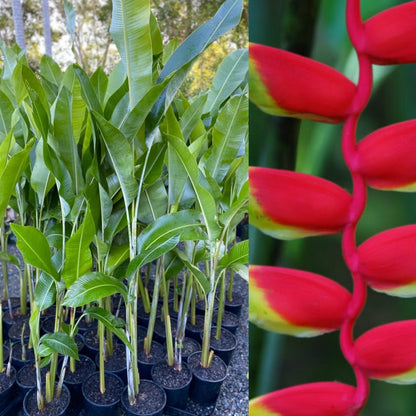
(317, 28)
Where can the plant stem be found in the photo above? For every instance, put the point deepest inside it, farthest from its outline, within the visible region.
(101, 352)
(220, 307)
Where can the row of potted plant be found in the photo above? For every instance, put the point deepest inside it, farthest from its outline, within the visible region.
(121, 183)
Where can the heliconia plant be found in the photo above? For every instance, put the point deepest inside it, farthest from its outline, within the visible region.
(284, 204)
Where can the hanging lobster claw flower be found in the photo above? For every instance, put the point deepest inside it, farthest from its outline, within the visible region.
(387, 157)
(388, 352)
(387, 261)
(314, 399)
(286, 84)
(288, 205)
(389, 35)
(295, 302)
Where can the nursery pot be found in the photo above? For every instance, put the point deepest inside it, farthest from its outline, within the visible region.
(193, 331)
(146, 362)
(26, 377)
(150, 401)
(96, 404)
(6, 387)
(116, 363)
(15, 331)
(223, 347)
(175, 383)
(17, 360)
(58, 406)
(230, 321)
(235, 305)
(206, 382)
(83, 368)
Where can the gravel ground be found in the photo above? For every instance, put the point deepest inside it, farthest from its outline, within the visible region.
(233, 399)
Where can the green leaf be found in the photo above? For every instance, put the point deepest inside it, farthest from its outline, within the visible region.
(34, 248)
(78, 257)
(132, 122)
(87, 90)
(110, 322)
(63, 141)
(12, 173)
(45, 292)
(184, 224)
(153, 202)
(121, 156)
(117, 255)
(152, 253)
(61, 343)
(192, 116)
(229, 133)
(227, 16)
(237, 255)
(230, 75)
(50, 70)
(157, 41)
(199, 276)
(130, 30)
(99, 82)
(9, 258)
(154, 166)
(91, 287)
(205, 200)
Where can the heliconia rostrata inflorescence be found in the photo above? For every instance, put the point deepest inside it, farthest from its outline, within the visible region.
(289, 205)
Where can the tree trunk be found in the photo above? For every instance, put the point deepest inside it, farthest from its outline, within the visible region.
(47, 27)
(18, 23)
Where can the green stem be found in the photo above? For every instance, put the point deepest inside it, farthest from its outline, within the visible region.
(220, 307)
(101, 353)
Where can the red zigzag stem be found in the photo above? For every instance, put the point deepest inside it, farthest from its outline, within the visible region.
(359, 197)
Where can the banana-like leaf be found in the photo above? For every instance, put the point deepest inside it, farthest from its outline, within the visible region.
(12, 173)
(157, 41)
(93, 286)
(112, 323)
(153, 202)
(49, 70)
(70, 19)
(230, 75)
(130, 30)
(192, 116)
(152, 253)
(199, 276)
(61, 343)
(63, 141)
(5, 147)
(154, 166)
(205, 200)
(34, 248)
(237, 255)
(78, 257)
(117, 255)
(9, 258)
(227, 17)
(228, 136)
(185, 224)
(121, 156)
(99, 82)
(45, 292)
(87, 90)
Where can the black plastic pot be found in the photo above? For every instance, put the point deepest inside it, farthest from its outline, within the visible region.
(8, 321)
(26, 377)
(193, 331)
(30, 403)
(225, 353)
(204, 387)
(159, 332)
(148, 390)
(15, 331)
(115, 363)
(190, 346)
(74, 380)
(17, 361)
(147, 362)
(230, 321)
(176, 396)
(236, 304)
(91, 407)
(6, 394)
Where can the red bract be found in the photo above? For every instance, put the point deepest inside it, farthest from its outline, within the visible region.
(314, 399)
(283, 83)
(388, 352)
(389, 35)
(287, 204)
(295, 302)
(387, 157)
(387, 261)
